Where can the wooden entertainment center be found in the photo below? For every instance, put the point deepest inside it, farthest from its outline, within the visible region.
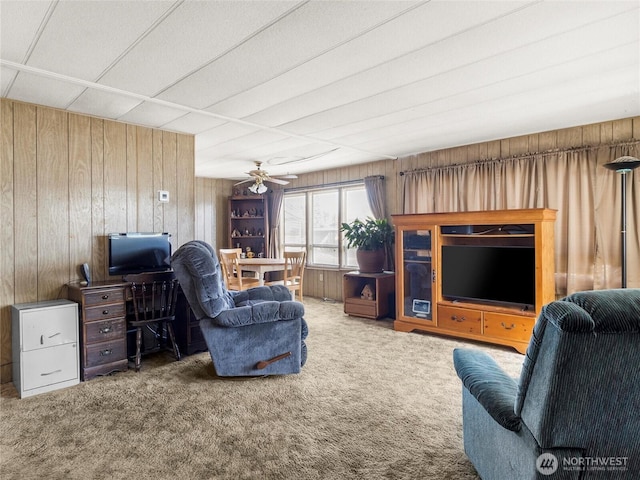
(420, 301)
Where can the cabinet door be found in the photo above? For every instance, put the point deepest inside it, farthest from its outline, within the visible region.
(417, 275)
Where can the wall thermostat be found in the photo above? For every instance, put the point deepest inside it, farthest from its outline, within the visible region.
(163, 196)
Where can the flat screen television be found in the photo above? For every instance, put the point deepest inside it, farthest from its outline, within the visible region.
(489, 274)
(136, 252)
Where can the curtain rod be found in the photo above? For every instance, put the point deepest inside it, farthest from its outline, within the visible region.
(330, 185)
(523, 155)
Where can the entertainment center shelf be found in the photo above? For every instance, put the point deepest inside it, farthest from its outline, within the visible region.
(477, 275)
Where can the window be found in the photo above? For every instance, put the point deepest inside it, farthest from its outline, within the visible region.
(312, 220)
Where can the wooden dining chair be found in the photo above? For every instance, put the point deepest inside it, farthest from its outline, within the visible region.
(294, 265)
(154, 307)
(231, 271)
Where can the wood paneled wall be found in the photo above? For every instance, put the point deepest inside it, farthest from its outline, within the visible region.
(328, 283)
(212, 211)
(66, 181)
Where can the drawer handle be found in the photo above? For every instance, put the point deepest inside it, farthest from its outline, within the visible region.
(513, 325)
(50, 336)
(106, 352)
(106, 329)
(105, 312)
(105, 297)
(455, 318)
(50, 373)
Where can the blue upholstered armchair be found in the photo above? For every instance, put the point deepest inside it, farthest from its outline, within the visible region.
(254, 332)
(575, 410)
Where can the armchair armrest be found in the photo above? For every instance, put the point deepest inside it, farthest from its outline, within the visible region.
(489, 385)
(278, 293)
(259, 312)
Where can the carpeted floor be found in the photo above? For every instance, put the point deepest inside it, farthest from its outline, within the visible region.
(371, 403)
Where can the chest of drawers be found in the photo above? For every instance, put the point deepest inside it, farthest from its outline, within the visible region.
(103, 330)
(45, 346)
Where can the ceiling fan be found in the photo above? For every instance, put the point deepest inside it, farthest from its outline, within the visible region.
(259, 176)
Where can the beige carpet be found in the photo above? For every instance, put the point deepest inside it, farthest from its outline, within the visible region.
(371, 403)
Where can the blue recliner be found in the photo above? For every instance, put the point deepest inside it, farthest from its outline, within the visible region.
(254, 332)
(575, 410)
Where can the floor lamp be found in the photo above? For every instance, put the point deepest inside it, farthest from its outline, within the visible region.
(623, 165)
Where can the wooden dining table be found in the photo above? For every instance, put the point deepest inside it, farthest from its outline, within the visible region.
(261, 265)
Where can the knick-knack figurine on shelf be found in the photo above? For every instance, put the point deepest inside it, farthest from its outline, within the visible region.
(367, 293)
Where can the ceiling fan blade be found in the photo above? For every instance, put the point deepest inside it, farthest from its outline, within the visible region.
(276, 181)
(244, 181)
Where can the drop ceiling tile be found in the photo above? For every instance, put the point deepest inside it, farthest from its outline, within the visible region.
(294, 158)
(237, 147)
(6, 78)
(194, 123)
(103, 104)
(304, 33)
(83, 38)
(505, 114)
(539, 56)
(280, 149)
(484, 89)
(193, 35)
(42, 90)
(414, 29)
(222, 134)
(467, 48)
(19, 25)
(151, 114)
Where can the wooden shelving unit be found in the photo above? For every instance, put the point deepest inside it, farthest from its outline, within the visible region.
(380, 284)
(248, 222)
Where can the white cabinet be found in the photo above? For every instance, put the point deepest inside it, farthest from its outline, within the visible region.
(45, 346)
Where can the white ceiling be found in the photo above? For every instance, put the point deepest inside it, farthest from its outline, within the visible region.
(310, 85)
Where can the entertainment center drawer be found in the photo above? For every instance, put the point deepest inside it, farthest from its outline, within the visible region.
(102, 297)
(513, 327)
(459, 319)
(104, 311)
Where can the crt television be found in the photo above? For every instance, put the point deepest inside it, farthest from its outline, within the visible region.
(490, 274)
(139, 252)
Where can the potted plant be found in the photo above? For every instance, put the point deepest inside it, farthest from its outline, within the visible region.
(372, 239)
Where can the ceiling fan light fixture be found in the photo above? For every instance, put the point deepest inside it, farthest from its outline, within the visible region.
(258, 188)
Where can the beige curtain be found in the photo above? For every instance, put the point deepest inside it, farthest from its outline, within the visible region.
(585, 194)
(376, 196)
(607, 211)
(274, 209)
